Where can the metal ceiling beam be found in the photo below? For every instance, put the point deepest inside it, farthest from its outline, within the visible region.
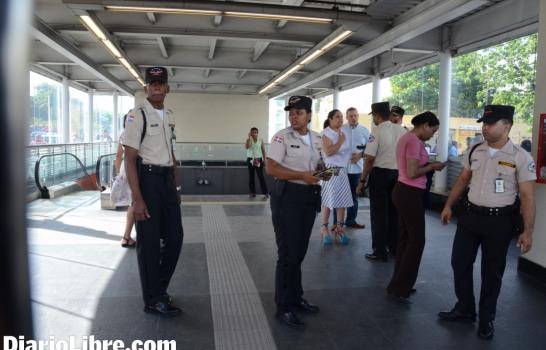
(259, 49)
(401, 49)
(162, 47)
(166, 32)
(55, 41)
(241, 74)
(232, 6)
(283, 23)
(212, 48)
(224, 68)
(427, 20)
(151, 17)
(217, 20)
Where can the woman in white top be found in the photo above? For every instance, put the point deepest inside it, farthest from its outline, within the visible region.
(336, 193)
(255, 155)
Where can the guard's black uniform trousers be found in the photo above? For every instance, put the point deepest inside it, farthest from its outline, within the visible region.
(294, 208)
(156, 266)
(493, 233)
(383, 214)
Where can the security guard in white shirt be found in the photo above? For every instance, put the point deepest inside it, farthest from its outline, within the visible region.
(382, 167)
(149, 142)
(494, 171)
(293, 159)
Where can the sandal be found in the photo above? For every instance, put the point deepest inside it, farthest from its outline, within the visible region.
(128, 242)
(341, 237)
(326, 237)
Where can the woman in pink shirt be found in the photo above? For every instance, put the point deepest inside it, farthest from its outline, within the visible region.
(407, 196)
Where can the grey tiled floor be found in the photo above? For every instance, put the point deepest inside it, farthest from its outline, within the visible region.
(84, 283)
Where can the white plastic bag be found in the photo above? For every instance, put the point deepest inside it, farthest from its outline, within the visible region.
(120, 195)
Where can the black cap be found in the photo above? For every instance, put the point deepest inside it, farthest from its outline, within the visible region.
(493, 113)
(397, 110)
(156, 74)
(382, 108)
(300, 102)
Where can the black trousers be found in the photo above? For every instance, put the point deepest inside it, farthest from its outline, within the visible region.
(294, 209)
(260, 172)
(408, 201)
(383, 215)
(493, 234)
(156, 266)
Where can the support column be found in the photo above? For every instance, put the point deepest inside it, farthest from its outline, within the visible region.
(534, 262)
(115, 122)
(444, 111)
(89, 118)
(376, 86)
(65, 112)
(336, 98)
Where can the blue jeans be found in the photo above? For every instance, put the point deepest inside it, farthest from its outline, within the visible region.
(351, 211)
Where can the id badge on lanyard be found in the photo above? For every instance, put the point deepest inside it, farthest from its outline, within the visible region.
(499, 185)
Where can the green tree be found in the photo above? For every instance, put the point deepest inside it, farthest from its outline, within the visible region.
(502, 74)
(416, 90)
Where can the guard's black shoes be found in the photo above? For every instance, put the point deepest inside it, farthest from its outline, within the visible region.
(376, 257)
(486, 330)
(310, 308)
(167, 298)
(163, 308)
(290, 318)
(456, 316)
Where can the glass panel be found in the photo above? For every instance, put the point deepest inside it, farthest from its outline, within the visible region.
(359, 98)
(321, 107)
(103, 107)
(501, 74)
(277, 116)
(45, 111)
(79, 101)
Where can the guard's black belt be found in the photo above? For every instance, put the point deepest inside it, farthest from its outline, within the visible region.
(156, 169)
(303, 188)
(487, 211)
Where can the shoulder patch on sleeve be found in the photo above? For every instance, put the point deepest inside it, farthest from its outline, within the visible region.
(532, 167)
(278, 138)
(371, 138)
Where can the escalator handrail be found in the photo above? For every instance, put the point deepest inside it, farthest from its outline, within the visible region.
(97, 169)
(43, 189)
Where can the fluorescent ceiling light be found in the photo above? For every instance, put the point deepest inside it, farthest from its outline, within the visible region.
(312, 57)
(93, 27)
(266, 88)
(181, 11)
(164, 10)
(277, 17)
(124, 62)
(113, 49)
(288, 73)
(337, 40)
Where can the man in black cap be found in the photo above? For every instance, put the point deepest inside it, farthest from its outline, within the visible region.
(382, 167)
(293, 159)
(149, 143)
(396, 115)
(494, 172)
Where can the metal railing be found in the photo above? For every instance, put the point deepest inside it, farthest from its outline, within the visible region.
(87, 153)
(55, 169)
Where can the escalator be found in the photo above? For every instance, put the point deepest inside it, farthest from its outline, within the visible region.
(57, 174)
